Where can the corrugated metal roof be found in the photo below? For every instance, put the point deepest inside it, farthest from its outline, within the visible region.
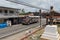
(4, 3)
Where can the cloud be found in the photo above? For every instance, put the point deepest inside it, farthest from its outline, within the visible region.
(40, 3)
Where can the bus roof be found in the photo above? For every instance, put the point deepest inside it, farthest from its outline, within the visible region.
(34, 16)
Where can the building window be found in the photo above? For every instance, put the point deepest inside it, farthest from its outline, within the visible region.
(11, 12)
(0, 11)
(5, 11)
(17, 11)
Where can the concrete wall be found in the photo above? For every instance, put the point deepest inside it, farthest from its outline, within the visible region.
(8, 11)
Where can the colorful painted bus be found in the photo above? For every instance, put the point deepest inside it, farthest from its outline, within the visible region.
(30, 19)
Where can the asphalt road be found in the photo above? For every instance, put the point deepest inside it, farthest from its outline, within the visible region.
(17, 29)
(14, 29)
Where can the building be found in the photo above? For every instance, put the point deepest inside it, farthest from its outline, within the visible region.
(56, 17)
(9, 14)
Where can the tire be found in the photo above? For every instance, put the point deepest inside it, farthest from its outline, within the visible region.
(23, 24)
(28, 23)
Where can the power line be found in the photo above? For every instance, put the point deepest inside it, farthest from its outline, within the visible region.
(26, 4)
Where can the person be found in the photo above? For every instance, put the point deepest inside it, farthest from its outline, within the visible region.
(8, 23)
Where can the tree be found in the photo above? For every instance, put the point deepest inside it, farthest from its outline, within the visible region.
(23, 11)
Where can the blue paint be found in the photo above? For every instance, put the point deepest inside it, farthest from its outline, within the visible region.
(3, 25)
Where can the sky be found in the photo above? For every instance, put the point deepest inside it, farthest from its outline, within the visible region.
(40, 3)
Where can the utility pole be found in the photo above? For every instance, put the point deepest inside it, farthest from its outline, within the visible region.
(40, 16)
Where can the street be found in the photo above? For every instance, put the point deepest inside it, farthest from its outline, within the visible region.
(6, 32)
(15, 29)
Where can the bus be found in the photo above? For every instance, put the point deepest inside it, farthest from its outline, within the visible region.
(30, 19)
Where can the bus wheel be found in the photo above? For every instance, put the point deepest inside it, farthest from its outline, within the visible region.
(23, 24)
(28, 23)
